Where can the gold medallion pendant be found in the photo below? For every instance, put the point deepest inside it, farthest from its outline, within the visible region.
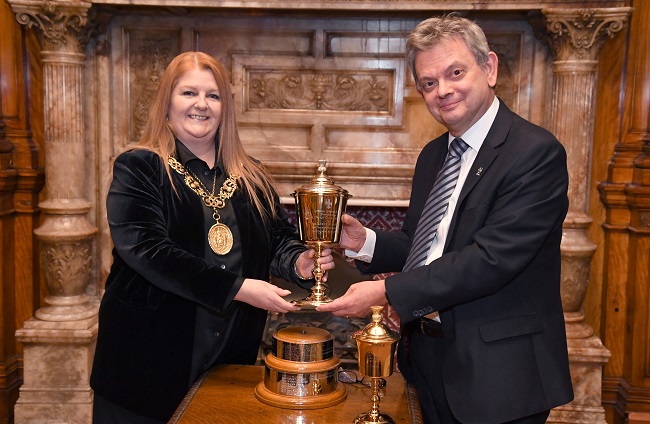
(220, 239)
(219, 236)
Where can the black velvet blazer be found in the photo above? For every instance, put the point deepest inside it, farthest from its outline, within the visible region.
(159, 277)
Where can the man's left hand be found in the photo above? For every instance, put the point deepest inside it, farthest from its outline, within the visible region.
(356, 302)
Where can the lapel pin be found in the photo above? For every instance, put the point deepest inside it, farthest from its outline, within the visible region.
(478, 171)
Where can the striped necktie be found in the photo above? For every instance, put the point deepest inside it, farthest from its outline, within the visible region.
(436, 205)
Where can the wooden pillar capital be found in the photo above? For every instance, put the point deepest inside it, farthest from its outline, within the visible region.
(61, 25)
(578, 34)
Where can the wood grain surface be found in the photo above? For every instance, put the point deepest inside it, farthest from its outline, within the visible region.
(226, 395)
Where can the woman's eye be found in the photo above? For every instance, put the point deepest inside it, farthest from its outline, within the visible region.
(188, 93)
(214, 96)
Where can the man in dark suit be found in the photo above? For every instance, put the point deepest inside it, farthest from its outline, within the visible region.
(483, 337)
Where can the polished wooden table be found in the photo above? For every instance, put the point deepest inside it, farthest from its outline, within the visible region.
(227, 395)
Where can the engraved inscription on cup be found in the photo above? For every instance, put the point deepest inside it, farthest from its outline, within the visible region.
(321, 217)
(301, 370)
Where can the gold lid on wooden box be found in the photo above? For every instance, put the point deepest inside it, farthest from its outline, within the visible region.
(301, 372)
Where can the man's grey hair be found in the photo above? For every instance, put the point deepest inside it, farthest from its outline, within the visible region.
(432, 31)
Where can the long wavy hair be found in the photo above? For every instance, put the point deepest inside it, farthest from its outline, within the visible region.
(158, 137)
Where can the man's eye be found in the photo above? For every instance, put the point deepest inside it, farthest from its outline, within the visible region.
(428, 85)
(457, 72)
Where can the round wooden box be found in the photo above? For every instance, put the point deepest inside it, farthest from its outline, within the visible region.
(301, 372)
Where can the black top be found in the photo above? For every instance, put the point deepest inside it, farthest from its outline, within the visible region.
(212, 329)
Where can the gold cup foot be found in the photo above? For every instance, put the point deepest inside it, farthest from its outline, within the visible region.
(369, 419)
(311, 302)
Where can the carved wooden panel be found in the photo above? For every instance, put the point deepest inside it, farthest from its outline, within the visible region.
(314, 88)
(138, 65)
(311, 89)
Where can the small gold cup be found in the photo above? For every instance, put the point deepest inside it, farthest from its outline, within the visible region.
(376, 348)
(319, 205)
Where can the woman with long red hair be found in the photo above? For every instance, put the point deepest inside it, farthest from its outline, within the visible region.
(197, 229)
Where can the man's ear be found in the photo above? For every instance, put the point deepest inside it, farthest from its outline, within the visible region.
(491, 68)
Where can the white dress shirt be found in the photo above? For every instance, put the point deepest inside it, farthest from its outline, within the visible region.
(474, 138)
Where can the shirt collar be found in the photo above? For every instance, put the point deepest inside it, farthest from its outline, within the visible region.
(185, 155)
(476, 134)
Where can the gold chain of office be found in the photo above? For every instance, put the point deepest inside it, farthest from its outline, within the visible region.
(219, 236)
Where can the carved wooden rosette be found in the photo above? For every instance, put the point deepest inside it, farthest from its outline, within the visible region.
(66, 236)
(638, 192)
(7, 171)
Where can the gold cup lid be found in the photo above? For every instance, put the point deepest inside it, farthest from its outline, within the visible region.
(321, 183)
(376, 332)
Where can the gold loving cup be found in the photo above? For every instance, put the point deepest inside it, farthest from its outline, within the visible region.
(319, 206)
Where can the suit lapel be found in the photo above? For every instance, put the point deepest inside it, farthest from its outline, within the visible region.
(481, 164)
(489, 150)
(440, 154)
(426, 173)
(487, 154)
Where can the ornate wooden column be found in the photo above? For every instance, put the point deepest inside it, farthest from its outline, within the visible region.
(638, 197)
(59, 341)
(9, 363)
(626, 195)
(9, 360)
(21, 180)
(576, 37)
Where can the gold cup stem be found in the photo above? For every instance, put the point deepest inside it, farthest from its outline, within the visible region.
(374, 411)
(374, 416)
(318, 271)
(320, 291)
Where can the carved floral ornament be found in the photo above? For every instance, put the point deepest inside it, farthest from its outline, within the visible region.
(313, 90)
(67, 267)
(644, 220)
(61, 25)
(579, 33)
